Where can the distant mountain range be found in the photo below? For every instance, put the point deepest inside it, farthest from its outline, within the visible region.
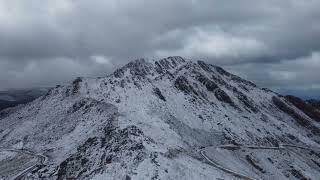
(13, 97)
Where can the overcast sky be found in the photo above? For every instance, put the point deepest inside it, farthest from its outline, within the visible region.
(274, 43)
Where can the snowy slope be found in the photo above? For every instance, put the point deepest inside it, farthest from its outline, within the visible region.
(149, 119)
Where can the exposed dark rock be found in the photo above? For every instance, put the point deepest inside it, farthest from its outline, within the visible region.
(96, 154)
(78, 105)
(172, 153)
(244, 99)
(139, 67)
(267, 90)
(223, 97)
(240, 80)
(272, 141)
(159, 68)
(166, 64)
(218, 80)
(84, 104)
(254, 163)
(285, 108)
(297, 117)
(244, 87)
(233, 77)
(182, 84)
(122, 83)
(210, 85)
(297, 174)
(314, 103)
(50, 91)
(170, 62)
(76, 85)
(232, 148)
(315, 162)
(310, 107)
(264, 118)
(159, 94)
(270, 160)
(119, 73)
(205, 66)
(221, 71)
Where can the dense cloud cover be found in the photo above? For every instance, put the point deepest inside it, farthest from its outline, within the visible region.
(273, 43)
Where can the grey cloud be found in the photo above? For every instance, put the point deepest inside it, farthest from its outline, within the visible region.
(52, 72)
(298, 76)
(230, 33)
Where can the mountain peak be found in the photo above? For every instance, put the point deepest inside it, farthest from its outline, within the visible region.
(155, 117)
(144, 67)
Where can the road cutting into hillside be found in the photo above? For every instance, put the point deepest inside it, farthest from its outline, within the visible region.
(227, 170)
(41, 159)
(237, 147)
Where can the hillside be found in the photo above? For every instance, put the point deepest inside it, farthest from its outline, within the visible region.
(309, 107)
(152, 119)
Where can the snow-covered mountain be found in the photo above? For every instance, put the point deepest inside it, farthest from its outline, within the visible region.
(151, 120)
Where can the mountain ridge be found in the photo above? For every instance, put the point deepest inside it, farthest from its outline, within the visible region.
(148, 119)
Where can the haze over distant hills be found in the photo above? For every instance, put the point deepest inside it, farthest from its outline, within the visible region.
(13, 97)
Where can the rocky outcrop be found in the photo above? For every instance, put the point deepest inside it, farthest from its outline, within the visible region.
(302, 121)
(184, 85)
(113, 146)
(309, 107)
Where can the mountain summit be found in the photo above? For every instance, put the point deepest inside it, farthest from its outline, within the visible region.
(165, 119)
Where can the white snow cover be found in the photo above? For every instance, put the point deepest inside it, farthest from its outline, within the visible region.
(149, 119)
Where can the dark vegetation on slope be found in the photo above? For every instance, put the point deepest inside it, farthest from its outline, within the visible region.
(309, 107)
(296, 116)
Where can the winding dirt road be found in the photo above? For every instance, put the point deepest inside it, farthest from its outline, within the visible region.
(233, 147)
(227, 170)
(41, 159)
